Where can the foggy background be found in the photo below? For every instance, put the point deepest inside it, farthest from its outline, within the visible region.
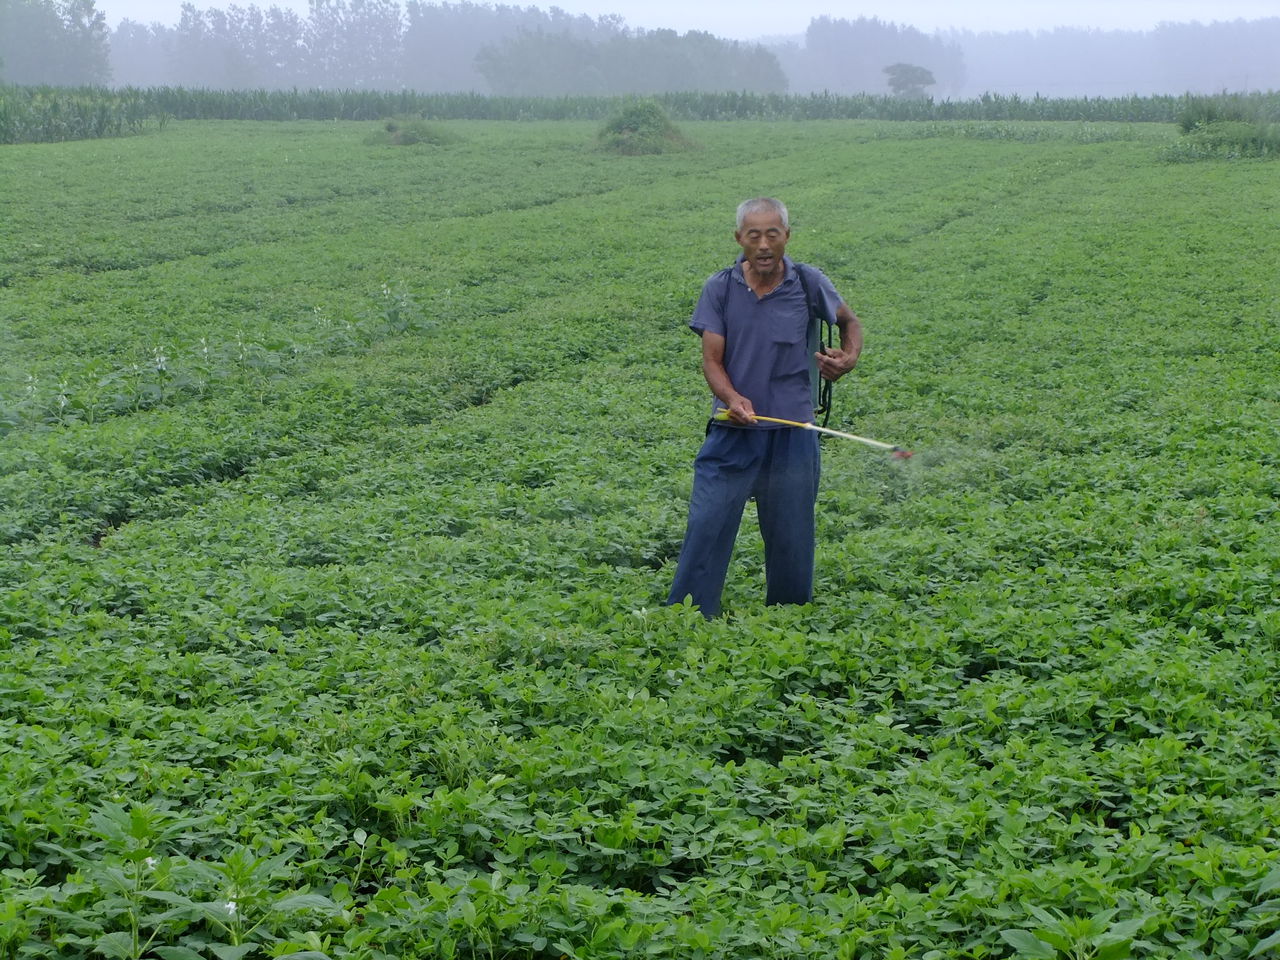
(528, 51)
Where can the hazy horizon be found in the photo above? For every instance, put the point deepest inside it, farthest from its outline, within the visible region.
(754, 19)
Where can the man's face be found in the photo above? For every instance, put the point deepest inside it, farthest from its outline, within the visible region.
(763, 239)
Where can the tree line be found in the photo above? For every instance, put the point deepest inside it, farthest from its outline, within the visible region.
(525, 51)
(446, 47)
(53, 41)
(379, 45)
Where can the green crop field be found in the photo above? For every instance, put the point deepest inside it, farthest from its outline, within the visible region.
(340, 489)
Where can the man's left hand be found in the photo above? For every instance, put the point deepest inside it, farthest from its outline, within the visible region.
(834, 364)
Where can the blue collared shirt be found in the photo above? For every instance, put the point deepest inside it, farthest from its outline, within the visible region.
(767, 353)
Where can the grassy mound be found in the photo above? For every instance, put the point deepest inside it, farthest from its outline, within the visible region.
(642, 127)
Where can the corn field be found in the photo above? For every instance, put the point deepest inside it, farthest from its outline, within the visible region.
(47, 114)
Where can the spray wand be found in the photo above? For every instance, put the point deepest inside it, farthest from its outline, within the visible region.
(898, 452)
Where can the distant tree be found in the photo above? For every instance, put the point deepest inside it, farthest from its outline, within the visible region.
(84, 48)
(343, 43)
(627, 62)
(541, 65)
(275, 41)
(442, 41)
(63, 43)
(662, 61)
(908, 81)
(140, 54)
(354, 44)
(848, 56)
(203, 52)
(29, 33)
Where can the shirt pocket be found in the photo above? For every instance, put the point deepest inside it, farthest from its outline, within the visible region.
(791, 348)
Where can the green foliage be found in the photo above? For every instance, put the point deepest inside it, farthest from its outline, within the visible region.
(338, 516)
(908, 81)
(642, 127)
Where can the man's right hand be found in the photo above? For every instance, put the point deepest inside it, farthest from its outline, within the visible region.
(741, 411)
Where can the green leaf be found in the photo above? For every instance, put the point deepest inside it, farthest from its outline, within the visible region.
(1267, 944)
(225, 951)
(115, 945)
(177, 953)
(165, 896)
(1028, 944)
(1270, 882)
(304, 901)
(1116, 950)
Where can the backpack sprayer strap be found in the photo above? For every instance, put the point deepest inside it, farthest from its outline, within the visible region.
(817, 320)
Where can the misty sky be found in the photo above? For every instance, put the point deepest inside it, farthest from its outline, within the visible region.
(749, 19)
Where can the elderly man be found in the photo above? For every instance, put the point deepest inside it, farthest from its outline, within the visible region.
(754, 319)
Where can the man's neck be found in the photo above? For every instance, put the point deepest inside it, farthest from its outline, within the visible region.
(763, 284)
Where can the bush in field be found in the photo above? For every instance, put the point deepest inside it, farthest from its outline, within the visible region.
(1236, 137)
(1225, 127)
(403, 133)
(1199, 112)
(642, 127)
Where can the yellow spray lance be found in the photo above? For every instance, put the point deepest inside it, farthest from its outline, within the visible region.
(898, 452)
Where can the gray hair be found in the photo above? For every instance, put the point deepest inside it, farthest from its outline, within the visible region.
(763, 205)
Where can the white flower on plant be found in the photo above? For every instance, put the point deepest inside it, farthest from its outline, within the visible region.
(161, 360)
(151, 863)
(231, 908)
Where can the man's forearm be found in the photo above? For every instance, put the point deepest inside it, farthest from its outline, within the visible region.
(719, 382)
(850, 331)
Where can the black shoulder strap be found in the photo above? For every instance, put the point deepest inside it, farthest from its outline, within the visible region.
(817, 320)
(727, 273)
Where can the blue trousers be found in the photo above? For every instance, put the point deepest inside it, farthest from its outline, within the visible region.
(780, 469)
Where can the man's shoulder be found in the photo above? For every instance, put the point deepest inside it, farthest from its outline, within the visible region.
(807, 271)
(811, 275)
(718, 282)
